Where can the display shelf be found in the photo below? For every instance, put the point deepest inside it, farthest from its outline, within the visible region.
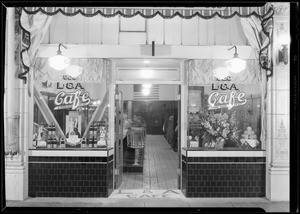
(200, 152)
(71, 152)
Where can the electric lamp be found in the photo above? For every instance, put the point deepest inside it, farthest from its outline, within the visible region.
(59, 62)
(236, 64)
(284, 41)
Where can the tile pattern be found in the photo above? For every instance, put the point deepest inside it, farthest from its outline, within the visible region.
(224, 177)
(159, 167)
(70, 176)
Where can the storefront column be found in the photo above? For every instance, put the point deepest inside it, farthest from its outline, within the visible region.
(15, 112)
(278, 114)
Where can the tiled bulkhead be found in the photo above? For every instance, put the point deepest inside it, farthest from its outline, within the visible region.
(70, 176)
(223, 176)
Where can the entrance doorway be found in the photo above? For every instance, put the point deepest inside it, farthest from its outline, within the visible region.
(154, 166)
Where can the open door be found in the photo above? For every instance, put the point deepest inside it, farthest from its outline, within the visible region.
(179, 137)
(118, 138)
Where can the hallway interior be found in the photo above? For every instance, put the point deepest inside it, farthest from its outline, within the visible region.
(160, 165)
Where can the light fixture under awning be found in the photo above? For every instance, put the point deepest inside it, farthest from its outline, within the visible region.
(236, 64)
(59, 62)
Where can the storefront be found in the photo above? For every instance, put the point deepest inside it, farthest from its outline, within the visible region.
(233, 119)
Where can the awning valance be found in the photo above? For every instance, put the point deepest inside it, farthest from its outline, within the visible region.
(35, 21)
(146, 12)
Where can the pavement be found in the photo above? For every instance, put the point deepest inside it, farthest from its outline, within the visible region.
(155, 199)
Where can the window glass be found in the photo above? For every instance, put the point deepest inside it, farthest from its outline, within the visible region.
(224, 116)
(70, 108)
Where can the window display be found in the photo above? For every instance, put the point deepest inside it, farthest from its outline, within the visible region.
(224, 116)
(71, 112)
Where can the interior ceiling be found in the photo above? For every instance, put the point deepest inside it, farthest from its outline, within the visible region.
(152, 63)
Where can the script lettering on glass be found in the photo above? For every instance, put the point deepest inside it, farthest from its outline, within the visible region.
(71, 100)
(226, 99)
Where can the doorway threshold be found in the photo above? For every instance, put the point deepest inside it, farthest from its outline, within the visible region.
(146, 193)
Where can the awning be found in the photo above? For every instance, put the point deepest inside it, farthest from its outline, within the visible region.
(146, 12)
(263, 13)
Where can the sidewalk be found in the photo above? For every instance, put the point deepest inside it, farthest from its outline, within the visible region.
(152, 198)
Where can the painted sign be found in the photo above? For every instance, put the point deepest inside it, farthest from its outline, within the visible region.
(226, 99)
(71, 100)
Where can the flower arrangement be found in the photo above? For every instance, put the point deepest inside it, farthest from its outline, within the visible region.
(219, 128)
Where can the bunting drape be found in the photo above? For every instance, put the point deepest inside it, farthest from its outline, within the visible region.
(34, 28)
(258, 34)
(166, 13)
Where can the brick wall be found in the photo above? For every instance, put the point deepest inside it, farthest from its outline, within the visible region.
(70, 176)
(223, 176)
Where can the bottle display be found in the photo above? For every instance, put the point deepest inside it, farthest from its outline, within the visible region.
(91, 136)
(102, 134)
(91, 142)
(73, 136)
(96, 136)
(62, 142)
(49, 139)
(54, 139)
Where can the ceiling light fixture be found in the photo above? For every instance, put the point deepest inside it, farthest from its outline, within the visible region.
(146, 91)
(236, 64)
(59, 62)
(283, 42)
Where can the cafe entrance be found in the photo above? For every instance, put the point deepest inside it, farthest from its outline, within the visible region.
(148, 128)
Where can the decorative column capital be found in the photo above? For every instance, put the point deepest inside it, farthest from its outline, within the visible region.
(281, 9)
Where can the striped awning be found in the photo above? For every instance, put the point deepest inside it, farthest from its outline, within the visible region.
(146, 12)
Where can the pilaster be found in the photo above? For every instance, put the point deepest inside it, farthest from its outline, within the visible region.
(16, 119)
(278, 115)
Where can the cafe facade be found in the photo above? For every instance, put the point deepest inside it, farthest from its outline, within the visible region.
(64, 67)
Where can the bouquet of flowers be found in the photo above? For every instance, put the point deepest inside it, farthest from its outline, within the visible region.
(219, 128)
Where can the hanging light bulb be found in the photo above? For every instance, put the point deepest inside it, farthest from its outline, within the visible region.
(59, 62)
(236, 64)
(146, 91)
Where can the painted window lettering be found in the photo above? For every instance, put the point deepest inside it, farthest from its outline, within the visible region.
(226, 99)
(71, 100)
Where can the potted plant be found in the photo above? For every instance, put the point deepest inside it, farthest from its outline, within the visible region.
(219, 129)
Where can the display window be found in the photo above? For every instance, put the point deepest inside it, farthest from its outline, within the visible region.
(225, 114)
(70, 106)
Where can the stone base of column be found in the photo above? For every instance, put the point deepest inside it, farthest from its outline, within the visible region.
(15, 186)
(279, 184)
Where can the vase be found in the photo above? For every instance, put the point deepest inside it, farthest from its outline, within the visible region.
(220, 144)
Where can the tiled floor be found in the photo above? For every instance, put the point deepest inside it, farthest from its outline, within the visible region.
(160, 165)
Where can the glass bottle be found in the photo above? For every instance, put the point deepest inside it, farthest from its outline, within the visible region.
(54, 141)
(83, 143)
(49, 137)
(62, 142)
(91, 141)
